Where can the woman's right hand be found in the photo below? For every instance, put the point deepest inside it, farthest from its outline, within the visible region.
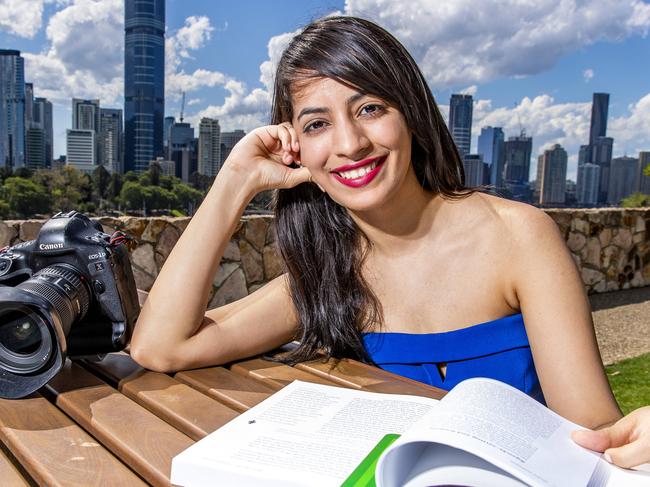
(262, 159)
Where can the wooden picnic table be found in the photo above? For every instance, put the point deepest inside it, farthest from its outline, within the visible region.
(115, 423)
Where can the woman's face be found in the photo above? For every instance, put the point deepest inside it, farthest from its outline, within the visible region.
(357, 147)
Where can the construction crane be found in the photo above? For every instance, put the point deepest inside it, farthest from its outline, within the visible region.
(182, 106)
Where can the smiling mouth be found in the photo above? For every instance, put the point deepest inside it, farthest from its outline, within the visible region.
(359, 169)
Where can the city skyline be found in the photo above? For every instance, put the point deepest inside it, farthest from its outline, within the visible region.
(223, 58)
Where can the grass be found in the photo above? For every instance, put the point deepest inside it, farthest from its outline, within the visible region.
(630, 381)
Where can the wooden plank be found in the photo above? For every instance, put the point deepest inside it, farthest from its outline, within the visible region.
(236, 391)
(362, 376)
(140, 439)
(9, 472)
(53, 450)
(277, 375)
(182, 406)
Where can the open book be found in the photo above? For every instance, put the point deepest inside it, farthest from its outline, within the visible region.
(483, 433)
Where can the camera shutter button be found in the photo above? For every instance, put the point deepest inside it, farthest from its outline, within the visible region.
(99, 287)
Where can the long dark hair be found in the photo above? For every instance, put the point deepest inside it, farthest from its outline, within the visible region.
(321, 245)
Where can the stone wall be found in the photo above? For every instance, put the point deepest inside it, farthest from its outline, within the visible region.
(610, 246)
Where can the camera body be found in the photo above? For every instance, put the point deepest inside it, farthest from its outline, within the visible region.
(69, 292)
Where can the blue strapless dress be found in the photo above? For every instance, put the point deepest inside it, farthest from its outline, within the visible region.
(497, 349)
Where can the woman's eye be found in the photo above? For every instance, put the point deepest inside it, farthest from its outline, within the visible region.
(315, 125)
(372, 109)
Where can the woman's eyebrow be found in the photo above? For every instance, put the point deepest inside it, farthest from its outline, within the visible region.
(312, 110)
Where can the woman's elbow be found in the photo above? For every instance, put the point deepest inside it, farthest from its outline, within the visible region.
(151, 359)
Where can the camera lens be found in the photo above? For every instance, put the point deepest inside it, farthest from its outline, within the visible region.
(25, 341)
(19, 333)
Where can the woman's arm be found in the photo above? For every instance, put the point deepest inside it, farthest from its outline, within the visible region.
(558, 321)
(173, 330)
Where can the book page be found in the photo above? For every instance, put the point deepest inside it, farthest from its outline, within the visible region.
(306, 434)
(510, 430)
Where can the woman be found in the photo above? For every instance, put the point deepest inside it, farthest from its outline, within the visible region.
(390, 258)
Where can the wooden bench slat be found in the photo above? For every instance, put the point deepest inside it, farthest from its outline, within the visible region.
(9, 473)
(182, 406)
(277, 375)
(236, 391)
(356, 374)
(140, 439)
(53, 450)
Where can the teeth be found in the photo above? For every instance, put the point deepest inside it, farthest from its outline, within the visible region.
(357, 173)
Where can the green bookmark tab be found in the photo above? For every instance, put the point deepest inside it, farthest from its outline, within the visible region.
(364, 474)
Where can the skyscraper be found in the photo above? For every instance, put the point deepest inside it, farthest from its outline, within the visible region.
(85, 114)
(460, 121)
(111, 139)
(623, 179)
(12, 109)
(588, 184)
(43, 119)
(599, 109)
(475, 170)
(35, 137)
(181, 149)
(228, 141)
(491, 148)
(552, 169)
(517, 151)
(144, 82)
(209, 146)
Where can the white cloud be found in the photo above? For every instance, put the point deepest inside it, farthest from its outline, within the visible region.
(470, 90)
(588, 75)
(465, 41)
(22, 18)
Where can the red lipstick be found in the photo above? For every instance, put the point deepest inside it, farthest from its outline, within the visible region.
(361, 180)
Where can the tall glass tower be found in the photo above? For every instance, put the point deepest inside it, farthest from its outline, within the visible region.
(460, 122)
(12, 109)
(144, 82)
(599, 109)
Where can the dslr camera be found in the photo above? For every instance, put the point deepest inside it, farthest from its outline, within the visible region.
(70, 292)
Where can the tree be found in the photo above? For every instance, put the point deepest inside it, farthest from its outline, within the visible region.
(188, 197)
(636, 200)
(132, 195)
(25, 197)
(100, 180)
(155, 171)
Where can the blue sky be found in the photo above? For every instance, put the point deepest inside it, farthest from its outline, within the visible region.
(537, 63)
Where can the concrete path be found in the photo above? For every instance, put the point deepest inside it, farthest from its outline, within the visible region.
(622, 322)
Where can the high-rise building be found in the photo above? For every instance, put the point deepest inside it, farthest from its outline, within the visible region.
(181, 149)
(588, 184)
(491, 148)
(43, 119)
(85, 114)
(552, 166)
(644, 181)
(228, 141)
(599, 109)
(517, 152)
(29, 104)
(35, 137)
(209, 146)
(476, 171)
(12, 109)
(81, 149)
(623, 179)
(460, 121)
(168, 122)
(144, 82)
(601, 154)
(111, 139)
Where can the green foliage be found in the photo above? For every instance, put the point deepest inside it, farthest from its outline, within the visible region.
(5, 211)
(630, 381)
(24, 197)
(636, 200)
(188, 197)
(646, 170)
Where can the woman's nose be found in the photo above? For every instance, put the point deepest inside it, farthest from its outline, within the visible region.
(351, 141)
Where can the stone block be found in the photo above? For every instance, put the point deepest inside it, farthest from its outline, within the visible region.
(271, 234)
(224, 272)
(591, 277)
(576, 241)
(232, 289)
(166, 240)
(640, 224)
(232, 251)
(273, 263)
(610, 256)
(7, 233)
(153, 229)
(605, 237)
(623, 239)
(134, 226)
(255, 231)
(580, 225)
(251, 262)
(143, 257)
(29, 229)
(180, 222)
(143, 280)
(591, 253)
